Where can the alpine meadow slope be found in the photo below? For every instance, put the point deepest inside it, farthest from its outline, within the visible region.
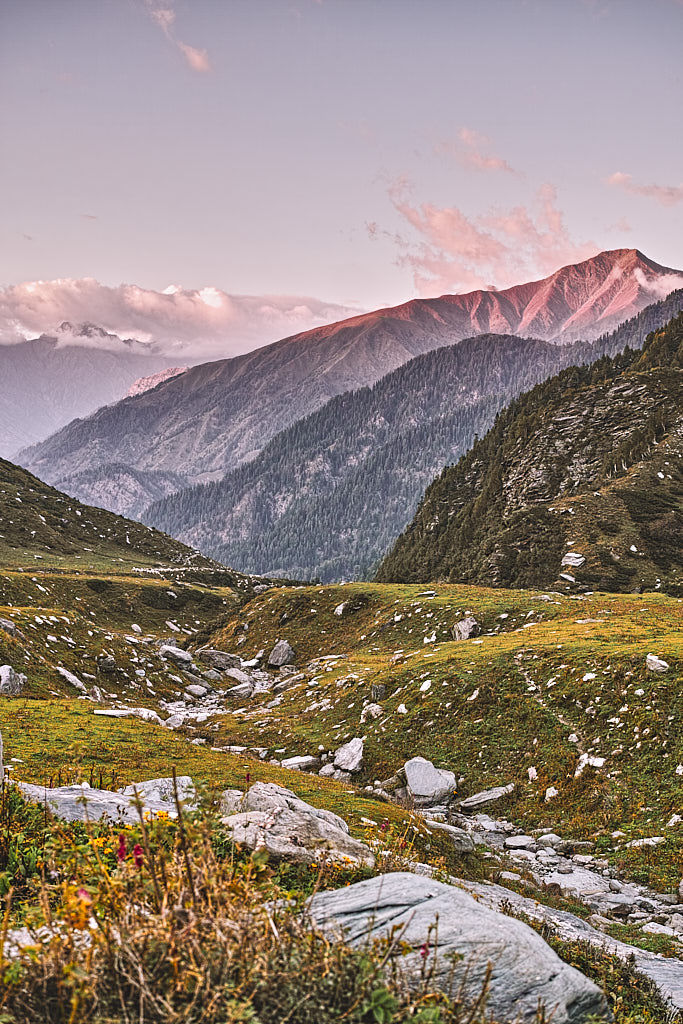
(577, 485)
(327, 496)
(218, 415)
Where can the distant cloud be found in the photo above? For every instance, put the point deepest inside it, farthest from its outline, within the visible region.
(89, 216)
(204, 323)
(470, 151)
(449, 251)
(165, 18)
(659, 287)
(667, 195)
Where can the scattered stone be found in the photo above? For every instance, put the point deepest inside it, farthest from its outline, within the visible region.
(242, 690)
(656, 664)
(574, 559)
(107, 663)
(281, 654)
(550, 793)
(11, 682)
(371, 711)
(196, 690)
(176, 654)
(520, 843)
(487, 796)
(427, 784)
(349, 757)
(466, 628)
(461, 839)
(218, 659)
(81, 803)
(301, 763)
(8, 626)
(378, 691)
(524, 970)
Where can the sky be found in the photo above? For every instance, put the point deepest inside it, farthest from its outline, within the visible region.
(231, 171)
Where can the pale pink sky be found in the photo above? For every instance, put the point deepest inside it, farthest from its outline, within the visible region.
(307, 157)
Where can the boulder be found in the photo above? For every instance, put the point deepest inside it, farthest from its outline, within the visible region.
(427, 784)
(11, 682)
(487, 796)
(656, 664)
(242, 690)
(371, 711)
(238, 675)
(349, 757)
(301, 763)
(462, 841)
(107, 663)
(466, 628)
(197, 690)
(218, 659)
(574, 559)
(462, 939)
(281, 654)
(81, 803)
(274, 819)
(176, 654)
(8, 626)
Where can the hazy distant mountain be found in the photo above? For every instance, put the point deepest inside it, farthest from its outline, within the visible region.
(50, 380)
(328, 495)
(218, 415)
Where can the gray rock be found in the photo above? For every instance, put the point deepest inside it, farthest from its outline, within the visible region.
(11, 682)
(281, 654)
(81, 803)
(656, 664)
(427, 784)
(487, 796)
(218, 659)
(275, 819)
(8, 626)
(196, 690)
(464, 938)
(549, 840)
(371, 711)
(466, 628)
(378, 691)
(176, 654)
(242, 690)
(107, 663)
(349, 757)
(574, 559)
(520, 843)
(301, 763)
(238, 675)
(287, 682)
(462, 840)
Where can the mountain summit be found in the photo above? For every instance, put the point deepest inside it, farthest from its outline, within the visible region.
(218, 415)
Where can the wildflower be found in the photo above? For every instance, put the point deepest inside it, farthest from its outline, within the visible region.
(138, 856)
(424, 950)
(84, 895)
(384, 826)
(121, 850)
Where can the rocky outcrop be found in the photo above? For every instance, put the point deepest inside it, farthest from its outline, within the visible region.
(281, 654)
(11, 682)
(269, 817)
(466, 628)
(441, 925)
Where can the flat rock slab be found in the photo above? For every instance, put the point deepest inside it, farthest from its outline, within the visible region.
(464, 937)
(82, 803)
(487, 796)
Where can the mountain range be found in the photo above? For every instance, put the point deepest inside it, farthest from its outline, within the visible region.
(219, 415)
(327, 496)
(46, 382)
(577, 485)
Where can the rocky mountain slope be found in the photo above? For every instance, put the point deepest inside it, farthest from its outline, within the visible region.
(577, 485)
(328, 495)
(49, 381)
(42, 526)
(219, 415)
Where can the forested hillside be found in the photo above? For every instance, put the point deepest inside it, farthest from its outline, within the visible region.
(578, 484)
(328, 495)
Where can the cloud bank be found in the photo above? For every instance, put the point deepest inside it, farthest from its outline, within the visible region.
(666, 195)
(204, 323)
(471, 151)
(451, 252)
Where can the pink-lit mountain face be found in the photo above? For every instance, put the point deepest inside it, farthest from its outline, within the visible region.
(143, 384)
(217, 415)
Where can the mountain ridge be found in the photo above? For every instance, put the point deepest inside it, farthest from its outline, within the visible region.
(218, 415)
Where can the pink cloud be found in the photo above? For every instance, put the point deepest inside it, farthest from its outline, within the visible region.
(204, 323)
(449, 251)
(164, 17)
(667, 195)
(470, 151)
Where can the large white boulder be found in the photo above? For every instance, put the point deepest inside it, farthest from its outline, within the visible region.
(427, 784)
(445, 931)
